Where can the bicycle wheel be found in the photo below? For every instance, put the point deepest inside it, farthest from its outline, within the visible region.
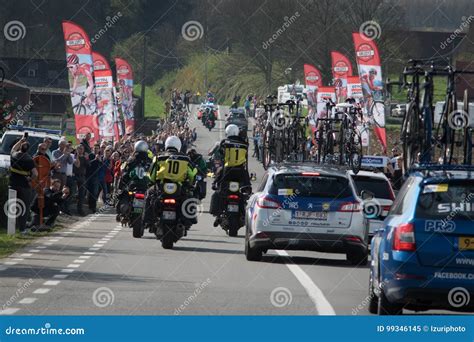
(300, 137)
(342, 142)
(467, 143)
(79, 109)
(267, 147)
(377, 113)
(355, 157)
(411, 136)
(319, 140)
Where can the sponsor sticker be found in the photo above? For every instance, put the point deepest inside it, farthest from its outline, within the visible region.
(285, 192)
(430, 188)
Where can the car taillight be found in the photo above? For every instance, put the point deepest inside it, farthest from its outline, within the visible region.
(386, 207)
(140, 196)
(267, 203)
(404, 238)
(233, 197)
(350, 207)
(169, 201)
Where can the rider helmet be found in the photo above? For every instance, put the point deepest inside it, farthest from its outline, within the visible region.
(173, 142)
(141, 146)
(232, 130)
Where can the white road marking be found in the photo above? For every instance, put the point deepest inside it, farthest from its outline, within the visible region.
(103, 241)
(41, 247)
(61, 276)
(84, 257)
(89, 253)
(41, 291)
(94, 248)
(79, 261)
(10, 263)
(98, 245)
(73, 266)
(27, 300)
(67, 270)
(70, 232)
(51, 282)
(53, 240)
(17, 259)
(26, 255)
(9, 311)
(314, 292)
(34, 250)
(48, 243)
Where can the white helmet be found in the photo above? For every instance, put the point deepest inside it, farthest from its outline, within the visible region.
(173, 142)
(231, 131)
(141, 146)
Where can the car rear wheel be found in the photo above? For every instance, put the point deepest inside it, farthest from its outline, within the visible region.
(373, 299)
(386, 307)
(358, 258)
(252, 254)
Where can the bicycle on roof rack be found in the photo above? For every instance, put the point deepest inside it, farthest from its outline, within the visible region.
(284, 135)
(424, 140)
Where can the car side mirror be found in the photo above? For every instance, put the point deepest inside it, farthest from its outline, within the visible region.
(367, 195)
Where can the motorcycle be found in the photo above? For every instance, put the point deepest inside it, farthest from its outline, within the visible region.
(175, 218)
(131, 209)
(235, 199)
(210, 124)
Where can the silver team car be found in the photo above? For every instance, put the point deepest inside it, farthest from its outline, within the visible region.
(306, 207)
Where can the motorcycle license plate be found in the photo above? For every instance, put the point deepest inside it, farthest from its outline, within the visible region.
(138, 210)
(169, 215)
(138, 203)
(233, 208)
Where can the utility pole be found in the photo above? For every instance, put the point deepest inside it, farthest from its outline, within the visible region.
(205, 52)
(143, 77)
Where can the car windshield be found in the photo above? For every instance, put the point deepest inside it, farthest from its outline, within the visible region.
(11, 139)
(448, 201)
(378, 186)
(312, 186)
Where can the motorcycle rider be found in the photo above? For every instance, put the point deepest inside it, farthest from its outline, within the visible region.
(235, 150)
(134, 176)
(172, 166)
(201, 167)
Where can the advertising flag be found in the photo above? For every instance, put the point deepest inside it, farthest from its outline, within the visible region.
(341, 69)
(325, 94)
(313, 80)
(354, 90)
(81, 82)
(118, 120)
(125, 86)
(104, 91)
(370, 74)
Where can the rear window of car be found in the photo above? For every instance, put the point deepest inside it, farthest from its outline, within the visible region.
(450, 201)
(378, 186)
(9, 140)
(311, 186)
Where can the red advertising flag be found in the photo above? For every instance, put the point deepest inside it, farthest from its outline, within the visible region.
(341, 69)
(105, 98)
(324, 94)
(370, 74)
(81, 81)
(125, 86)
(312, 76)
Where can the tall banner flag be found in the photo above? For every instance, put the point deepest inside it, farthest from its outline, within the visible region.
(105, 100)
(341, 69)
(313, 81)
(354, 90)
(125, 86)
(370, 74)
(324, 94)
(118, 127)
(81, 82)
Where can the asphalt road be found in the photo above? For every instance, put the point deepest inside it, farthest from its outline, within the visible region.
(96, 267)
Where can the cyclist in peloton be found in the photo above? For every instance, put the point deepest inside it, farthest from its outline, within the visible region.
(235, 151)
(76, 70)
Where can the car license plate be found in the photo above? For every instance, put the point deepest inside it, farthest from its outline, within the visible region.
(169, 215)
(312, 215)
(233, 208)
(466, 243)
(138, 203)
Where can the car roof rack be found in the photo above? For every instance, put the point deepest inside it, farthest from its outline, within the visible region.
(34, 129)
(432, 167)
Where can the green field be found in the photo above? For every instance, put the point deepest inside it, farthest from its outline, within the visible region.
(154, 104)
